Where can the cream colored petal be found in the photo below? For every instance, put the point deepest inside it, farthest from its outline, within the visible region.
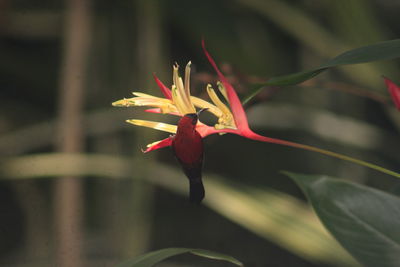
(165, 105)
(183, 99)
(201, 103)
(185, 96)
(150, 98)
(144, 95)
(226, 119)
(187, 79)
(214, 97)
(126, 102)
(181, 87)
(145, 101)
(155, 125)
(178, 101)
(175, 74)
(222, 89)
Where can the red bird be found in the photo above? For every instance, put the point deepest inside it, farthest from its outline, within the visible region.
(187, 145)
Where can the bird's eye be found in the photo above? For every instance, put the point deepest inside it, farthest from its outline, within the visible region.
(193, 116)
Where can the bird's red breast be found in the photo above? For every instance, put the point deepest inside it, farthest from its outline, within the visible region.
(187, 143)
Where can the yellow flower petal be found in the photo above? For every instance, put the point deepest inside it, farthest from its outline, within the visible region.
(215, 99)
(200, 103)
(182, 96)
(222, 89)
(226, 119)
(155, 125)
(165, 105)
(175, 73)
(145, 95)
(178, 101)
(187, 80)
(126, 102)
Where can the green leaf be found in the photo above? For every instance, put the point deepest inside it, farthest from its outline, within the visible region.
(157, 256)
(379, 51)
(364, 220)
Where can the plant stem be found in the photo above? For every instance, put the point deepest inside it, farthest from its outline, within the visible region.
(325, 152)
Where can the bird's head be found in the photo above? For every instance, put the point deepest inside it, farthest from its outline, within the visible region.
(191, 118)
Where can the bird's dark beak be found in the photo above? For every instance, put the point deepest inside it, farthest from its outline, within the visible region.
(200, 111)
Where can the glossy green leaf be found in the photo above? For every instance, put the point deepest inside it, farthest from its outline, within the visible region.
(379, 51)
(364, 220)
(157, 256)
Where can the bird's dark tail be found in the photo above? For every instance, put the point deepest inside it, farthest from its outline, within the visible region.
(196, 192)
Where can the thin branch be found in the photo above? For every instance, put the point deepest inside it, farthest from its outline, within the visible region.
(68, 192)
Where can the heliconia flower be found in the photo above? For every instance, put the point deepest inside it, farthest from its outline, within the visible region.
(394, 91)
(178, 101)
(231, 118)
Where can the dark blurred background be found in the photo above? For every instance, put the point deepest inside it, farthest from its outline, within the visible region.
(76, 190)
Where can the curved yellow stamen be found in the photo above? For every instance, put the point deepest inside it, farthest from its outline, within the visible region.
(215, 99)
(184, 95)
(146, 101)
(175, 74)
(178, 101)
(155, 125)
(140, 94)
(126, 102)
(181, 88)
(187, 79)
(142, 99)
(200, 103)
(222, 89)
(226, 119)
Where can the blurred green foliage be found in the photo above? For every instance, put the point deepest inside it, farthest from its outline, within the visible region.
(251, 41)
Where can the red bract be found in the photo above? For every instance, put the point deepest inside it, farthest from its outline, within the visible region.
(239, 114)
(165, 90)
(236, 106)
(394, 91)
